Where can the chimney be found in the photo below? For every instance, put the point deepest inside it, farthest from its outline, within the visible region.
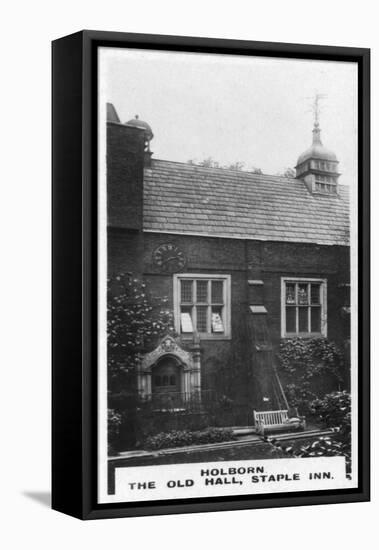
(125, 165)
(112, 115)
(136, 122)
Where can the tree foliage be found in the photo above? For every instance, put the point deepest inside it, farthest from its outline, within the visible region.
(209, 162)
(236, 165)
(288, 173)
(135, 321)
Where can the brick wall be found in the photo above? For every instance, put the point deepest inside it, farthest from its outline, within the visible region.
(226, 363)
(125, 160)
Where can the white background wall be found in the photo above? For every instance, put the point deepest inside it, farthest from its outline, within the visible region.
(27, 29)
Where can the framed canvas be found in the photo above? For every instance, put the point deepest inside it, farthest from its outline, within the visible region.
(210, 274)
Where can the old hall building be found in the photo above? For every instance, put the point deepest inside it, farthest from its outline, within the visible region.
(244, 259)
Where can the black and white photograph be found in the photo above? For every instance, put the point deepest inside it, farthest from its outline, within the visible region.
(189, 199)
(227, 269)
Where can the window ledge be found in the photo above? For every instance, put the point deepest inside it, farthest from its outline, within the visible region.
(303, 335)
(189, 338)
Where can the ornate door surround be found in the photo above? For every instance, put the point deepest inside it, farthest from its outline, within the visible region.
(188, 361)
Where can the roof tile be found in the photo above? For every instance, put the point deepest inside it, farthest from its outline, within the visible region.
(185, 198)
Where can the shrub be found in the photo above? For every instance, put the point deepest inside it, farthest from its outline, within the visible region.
(322, 446)
(114, 423)
(334, 410)
(182, 438)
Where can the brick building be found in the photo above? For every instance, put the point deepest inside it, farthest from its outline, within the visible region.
(245, 260)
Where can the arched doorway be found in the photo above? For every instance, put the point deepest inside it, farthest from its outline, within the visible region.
(166, 376)
(166, 383)
(169, 375)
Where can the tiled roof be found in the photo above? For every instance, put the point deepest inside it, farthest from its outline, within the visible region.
(189, 199)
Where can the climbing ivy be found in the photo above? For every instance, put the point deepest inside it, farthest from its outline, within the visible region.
(310, 368)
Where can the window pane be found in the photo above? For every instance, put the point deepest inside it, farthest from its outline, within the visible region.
(173, 380)
(315, 294)
(217, 322)
(186, 324)
(186, 291)
(157, 380)
(303, 319)
(217, 292)
(290, 293)
(202, 291)
(290, 319)
(302, 294)
(165, 380)
(201, 312)
(316, 319)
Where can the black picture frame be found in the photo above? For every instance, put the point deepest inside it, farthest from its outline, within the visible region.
(74, 203)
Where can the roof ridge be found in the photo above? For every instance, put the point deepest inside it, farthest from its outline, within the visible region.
(269, 178)
(223, 169)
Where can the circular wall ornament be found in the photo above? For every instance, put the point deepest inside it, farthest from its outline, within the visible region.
(168, 257)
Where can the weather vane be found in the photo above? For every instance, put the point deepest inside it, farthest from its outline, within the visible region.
(315, 108)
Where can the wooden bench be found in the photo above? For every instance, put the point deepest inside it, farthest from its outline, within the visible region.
(276, 420)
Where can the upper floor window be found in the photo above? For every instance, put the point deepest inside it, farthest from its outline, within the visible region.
(326, 188)
(304, 307)
(202, 304)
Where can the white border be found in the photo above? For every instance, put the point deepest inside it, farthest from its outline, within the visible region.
(102, 473)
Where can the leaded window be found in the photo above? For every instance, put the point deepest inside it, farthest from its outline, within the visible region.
(202, 305)
(303, 307)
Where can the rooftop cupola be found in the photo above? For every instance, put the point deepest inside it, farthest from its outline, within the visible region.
(148, 133)
(318, 165)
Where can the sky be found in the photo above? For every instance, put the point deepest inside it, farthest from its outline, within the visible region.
(254, 110)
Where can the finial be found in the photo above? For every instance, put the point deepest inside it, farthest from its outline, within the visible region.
(316, 113)
(316, 107)
(137, 117)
